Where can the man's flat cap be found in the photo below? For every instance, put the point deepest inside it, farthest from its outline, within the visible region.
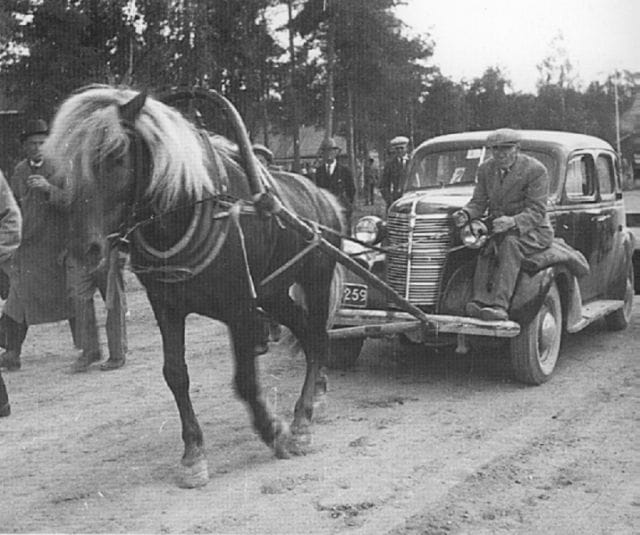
(502, 137)
(399, 141)
(33, 127)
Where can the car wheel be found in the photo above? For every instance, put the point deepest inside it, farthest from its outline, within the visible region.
(620, 319)
(344, 352)
(534, 352)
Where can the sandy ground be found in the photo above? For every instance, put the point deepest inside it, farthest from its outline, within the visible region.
(410, 442)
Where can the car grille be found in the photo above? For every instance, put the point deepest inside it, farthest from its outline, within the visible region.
(417, 257)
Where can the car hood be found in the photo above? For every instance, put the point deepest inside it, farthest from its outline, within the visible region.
(434, 200)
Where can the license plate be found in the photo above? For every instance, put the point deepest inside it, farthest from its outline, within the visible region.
(354, 295)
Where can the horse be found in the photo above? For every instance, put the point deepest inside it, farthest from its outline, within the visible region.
(138, 171)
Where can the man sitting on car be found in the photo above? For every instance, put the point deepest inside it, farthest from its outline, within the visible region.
(513, 189)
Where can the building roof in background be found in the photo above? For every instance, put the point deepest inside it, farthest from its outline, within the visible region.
(310, 140)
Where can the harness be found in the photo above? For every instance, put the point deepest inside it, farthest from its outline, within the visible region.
(203, 240)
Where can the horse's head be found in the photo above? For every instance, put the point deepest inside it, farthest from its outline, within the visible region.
(123, 155)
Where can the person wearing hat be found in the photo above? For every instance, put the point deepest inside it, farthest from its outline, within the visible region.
(395, 170)
(37, 291)
(334, 176)
(512, 188)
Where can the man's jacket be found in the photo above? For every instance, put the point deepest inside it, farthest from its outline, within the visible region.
(522, 193)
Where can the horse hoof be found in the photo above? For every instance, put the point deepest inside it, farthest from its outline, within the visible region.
(320, 406)
(282, 441)
(196, 475)
(301, 443)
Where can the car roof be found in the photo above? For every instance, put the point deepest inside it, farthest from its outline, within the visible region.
(564, 141)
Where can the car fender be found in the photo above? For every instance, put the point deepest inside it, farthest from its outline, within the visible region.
(618, 286)
(531, 289)
(529, 294)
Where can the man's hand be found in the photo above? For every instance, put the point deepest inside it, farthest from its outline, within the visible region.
(460, 218)
(38, 182)
(503, 223)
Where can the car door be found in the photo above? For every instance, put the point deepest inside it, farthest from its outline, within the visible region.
(582, 217)
(610, 222)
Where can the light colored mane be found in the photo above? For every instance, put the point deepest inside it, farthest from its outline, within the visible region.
(87, 129)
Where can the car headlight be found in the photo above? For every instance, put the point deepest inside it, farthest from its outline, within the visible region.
(474, 234)
(368, 229)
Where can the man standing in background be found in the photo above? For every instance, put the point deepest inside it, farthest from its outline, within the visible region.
(37, 292)
(335, 177)
(395, 170)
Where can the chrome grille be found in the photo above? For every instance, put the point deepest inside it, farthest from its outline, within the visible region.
(417, 257)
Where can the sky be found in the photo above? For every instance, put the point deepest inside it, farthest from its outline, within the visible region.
(600, 36)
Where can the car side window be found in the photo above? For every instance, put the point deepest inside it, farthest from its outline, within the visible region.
(580, 180)
(606, 175)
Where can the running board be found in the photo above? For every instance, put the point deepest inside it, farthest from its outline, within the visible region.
(594, 311)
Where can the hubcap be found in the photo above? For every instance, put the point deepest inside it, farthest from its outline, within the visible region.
(547, 336)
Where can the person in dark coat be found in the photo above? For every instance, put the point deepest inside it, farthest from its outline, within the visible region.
(335, 177)
(395, 170)
(10, 235)
(37, 292)
(513, 189)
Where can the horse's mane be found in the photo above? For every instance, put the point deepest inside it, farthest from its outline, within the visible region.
(87, 129)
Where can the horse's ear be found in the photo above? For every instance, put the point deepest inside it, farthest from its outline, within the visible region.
(130, 110)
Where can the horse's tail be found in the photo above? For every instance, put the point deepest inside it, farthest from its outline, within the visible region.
(335, 293)
(289, 341)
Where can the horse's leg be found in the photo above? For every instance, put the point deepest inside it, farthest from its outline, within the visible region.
(172, 324)
(273, 431)
(309, 327)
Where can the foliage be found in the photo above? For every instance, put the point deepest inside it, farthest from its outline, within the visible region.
(383, 82)
(376, 63)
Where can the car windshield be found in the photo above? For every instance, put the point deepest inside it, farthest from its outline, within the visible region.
(455, 167)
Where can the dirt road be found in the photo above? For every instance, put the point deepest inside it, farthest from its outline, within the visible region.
(409, 443)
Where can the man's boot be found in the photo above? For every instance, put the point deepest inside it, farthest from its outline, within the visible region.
(5, 408)
(112, 364)
(87, 330)
(13, 336)
(116, 336)
(85, 360)
(10, 360)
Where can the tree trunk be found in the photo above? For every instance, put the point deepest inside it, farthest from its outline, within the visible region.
(295, 122)
(331, 60)
(351, 148)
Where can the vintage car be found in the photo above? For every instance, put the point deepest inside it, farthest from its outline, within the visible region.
(586, 275)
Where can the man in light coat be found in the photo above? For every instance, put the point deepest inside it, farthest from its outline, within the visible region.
(513, 189)
(37, 292)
